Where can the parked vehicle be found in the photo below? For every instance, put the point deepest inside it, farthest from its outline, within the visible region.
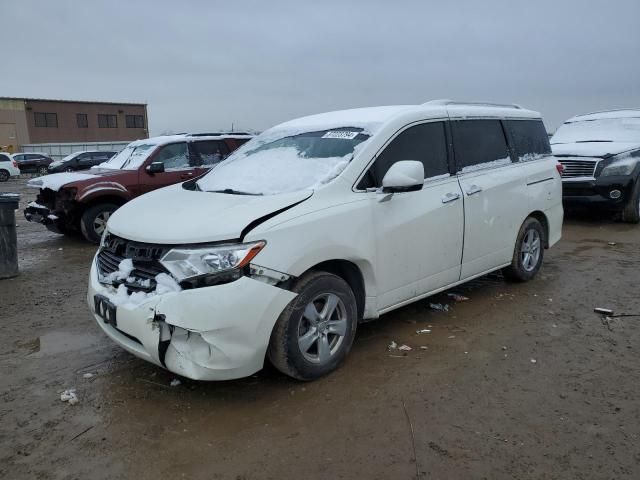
(80, 161)
(601, 157)
(32, 162)
(319, 224)
(8, 167)
(74, 202)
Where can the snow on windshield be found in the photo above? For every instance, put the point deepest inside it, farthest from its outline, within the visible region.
(604, 129)
(281, 161)
(131, 157)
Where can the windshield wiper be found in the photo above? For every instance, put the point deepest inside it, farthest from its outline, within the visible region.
(594, 141)
(231, 191)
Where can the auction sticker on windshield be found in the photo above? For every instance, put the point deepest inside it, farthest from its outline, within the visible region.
(344, 134)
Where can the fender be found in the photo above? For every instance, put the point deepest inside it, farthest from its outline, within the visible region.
(102, 189)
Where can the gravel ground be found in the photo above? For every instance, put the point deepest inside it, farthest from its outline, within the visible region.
(520, 381)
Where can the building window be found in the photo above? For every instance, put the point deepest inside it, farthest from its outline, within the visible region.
(45, 119)
(134, 121)
(82, 120)
(107, 121)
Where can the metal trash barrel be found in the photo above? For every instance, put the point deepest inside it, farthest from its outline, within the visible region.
(8, 238)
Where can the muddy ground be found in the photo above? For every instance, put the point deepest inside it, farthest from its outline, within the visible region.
(520, 381)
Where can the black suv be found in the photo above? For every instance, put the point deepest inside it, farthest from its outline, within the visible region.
(600, 153)
(80, 161)
(33, 162)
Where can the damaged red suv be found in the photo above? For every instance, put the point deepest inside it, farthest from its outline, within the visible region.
(72, 202)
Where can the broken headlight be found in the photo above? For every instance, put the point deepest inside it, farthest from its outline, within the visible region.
(188, 263)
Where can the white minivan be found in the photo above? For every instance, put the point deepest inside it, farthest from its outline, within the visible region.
(319, 224)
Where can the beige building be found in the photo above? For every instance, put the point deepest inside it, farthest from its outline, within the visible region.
(37, 121)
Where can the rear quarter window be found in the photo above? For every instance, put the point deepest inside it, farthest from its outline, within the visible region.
(528, 138)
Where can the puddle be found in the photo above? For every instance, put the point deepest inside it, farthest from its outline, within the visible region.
(54, 343)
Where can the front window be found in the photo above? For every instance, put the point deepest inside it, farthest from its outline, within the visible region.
(601, 130)
(131, 157)
(279, 162)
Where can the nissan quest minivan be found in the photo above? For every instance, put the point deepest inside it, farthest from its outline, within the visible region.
(321, 223)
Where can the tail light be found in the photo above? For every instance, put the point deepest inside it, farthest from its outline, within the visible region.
(560, 168)
(15, 164)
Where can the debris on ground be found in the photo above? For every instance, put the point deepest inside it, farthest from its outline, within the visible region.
(404, 348)
(504, 347)
(612, 244)
(87, 375)
(392, 346)
(457, 297)
(604, 311)
(69, 396)
(440, 307)
(424, 347)
(452, 336)
(533, 360)
(424, 330)
(175, 382)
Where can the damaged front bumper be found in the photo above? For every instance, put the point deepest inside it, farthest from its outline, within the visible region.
(39, 214)
(211, 333)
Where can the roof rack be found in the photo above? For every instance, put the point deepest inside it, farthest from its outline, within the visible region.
(446, 101)
(608, 111)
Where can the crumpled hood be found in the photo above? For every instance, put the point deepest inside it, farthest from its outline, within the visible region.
(173, 215)
(55, 181)
(592, 149)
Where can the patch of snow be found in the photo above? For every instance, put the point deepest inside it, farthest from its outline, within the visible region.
(51, 216)
(605, 129)
(531, 157)
(69, 396)
(35, 205)
(87, 375)
(56, 181)
(603, 115)
(175, 382)
(481, 166)
(125, 267)
(593, 149)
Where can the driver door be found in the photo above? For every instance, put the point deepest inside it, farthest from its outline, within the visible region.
(177, 167)
(418, 234)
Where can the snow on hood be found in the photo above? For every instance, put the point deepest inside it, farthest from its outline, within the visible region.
(173, 215)
(592, 149)
(56, 181)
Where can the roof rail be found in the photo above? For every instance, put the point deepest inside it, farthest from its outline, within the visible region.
(216, 134)
(480, 104)
(609, 111)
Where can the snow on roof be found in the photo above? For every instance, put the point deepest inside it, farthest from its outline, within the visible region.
(622, 113)
(366, 118)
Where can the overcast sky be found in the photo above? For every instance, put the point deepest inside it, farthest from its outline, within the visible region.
(201, 65)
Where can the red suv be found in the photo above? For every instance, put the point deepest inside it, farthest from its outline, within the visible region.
(82, 202)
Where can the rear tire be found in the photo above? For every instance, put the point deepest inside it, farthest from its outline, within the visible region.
(631, 211)
(94, 220)
(43, 170)
(4, 176)
(314, 333)
(528, 252)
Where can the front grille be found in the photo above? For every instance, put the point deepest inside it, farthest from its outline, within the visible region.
(578, 168)
(145, 258)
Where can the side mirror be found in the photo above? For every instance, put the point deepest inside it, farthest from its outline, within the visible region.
(155, 167)
(403, 176)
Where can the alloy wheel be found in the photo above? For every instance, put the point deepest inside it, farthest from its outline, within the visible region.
(100, 222)
(322, 328)
(530, 250)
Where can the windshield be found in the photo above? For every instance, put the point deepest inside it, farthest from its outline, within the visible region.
(602, 130)
(131, 157)
(278, 163)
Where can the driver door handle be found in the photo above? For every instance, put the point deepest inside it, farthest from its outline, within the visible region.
(450, 197)
(473, 189)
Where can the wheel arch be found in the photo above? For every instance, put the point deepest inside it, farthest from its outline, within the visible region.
(542, 218)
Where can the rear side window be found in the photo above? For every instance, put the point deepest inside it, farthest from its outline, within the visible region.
(425, 143)
(209, 152)
(529, 138)
(479, 144)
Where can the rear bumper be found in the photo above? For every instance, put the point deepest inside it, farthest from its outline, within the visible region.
(601, 192)
(212, 333)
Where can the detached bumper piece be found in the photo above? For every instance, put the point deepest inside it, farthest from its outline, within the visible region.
(39, 214)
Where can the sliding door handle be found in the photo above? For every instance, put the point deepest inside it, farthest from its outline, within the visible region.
(473, 189)
(450, 197)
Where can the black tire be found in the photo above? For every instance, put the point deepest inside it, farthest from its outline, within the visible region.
(631, 211)
(4, 176)
(91, 220)
(285, 352)
(69, 169)
(524, 268)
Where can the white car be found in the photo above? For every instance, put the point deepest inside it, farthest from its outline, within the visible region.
(8, 167)
(319, 224)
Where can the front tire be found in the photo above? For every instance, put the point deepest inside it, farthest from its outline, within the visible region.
(315, 332)
(94, 221)
(528, 252)
(631, 211)
(4, 176)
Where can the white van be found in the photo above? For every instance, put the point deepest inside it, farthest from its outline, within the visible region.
(319, 224)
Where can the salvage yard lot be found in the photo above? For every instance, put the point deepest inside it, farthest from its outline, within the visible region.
(520, 381)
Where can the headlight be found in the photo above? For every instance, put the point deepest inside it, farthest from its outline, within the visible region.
(620, 167)
(186, 263)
